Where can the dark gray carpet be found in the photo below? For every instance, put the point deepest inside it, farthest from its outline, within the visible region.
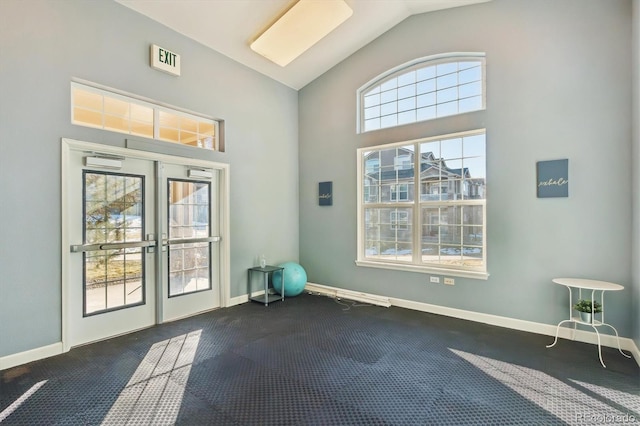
(312, 360)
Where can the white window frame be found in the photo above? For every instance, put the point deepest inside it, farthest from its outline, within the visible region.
(418, 63)
(416, 204)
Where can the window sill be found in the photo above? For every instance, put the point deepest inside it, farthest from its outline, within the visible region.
(424, 269)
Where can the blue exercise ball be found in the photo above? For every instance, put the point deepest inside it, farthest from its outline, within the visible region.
(295, 278)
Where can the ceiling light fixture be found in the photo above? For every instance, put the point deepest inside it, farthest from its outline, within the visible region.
(299, 28)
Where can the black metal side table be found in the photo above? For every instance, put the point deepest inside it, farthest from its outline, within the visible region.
(267, 297)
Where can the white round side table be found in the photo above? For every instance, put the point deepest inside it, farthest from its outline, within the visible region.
(595, 286)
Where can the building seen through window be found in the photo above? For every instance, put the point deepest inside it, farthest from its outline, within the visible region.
(423, 203)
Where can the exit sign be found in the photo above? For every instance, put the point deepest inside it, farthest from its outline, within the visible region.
(165, 60)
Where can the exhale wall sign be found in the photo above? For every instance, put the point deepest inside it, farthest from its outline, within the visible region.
(164, 60)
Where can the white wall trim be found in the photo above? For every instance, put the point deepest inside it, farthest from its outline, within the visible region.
(635, 351)
(348, 294)
(238, 300)
(25, 357)
(13, 360)
(512, 323)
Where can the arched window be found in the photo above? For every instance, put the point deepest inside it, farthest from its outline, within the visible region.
(423, 89)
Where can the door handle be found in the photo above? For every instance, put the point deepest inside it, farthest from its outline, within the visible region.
(79, 248)
(167, 242)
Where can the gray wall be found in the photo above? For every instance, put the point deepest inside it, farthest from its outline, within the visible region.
(43, 45)
(636, 171)
(558, 86)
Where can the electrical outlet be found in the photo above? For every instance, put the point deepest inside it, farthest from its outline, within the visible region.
(434, 279)
(449, 281)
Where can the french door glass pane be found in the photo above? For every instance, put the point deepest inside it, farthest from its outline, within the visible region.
(189, 212)
(113, 213)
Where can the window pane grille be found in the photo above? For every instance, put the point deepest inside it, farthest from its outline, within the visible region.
(389, 234)
(389, 175)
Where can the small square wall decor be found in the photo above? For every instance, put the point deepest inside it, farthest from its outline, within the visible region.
(325, 193)
(553, 178)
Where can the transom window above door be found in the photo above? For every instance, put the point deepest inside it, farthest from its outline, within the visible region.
(423, 89)
(104, 109)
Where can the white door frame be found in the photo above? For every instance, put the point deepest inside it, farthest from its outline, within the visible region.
(69, 145)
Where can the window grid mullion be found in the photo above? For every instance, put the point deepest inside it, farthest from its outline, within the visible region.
(417, 214)
(156, 123)
(103, 114)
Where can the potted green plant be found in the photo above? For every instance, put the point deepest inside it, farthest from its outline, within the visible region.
(586, 308)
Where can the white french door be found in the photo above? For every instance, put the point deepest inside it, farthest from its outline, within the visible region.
(111, 265)
(190, 241)
(142, 239)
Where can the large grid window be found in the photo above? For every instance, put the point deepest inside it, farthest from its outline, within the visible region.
(429, 214)
(102, 109)
(423, 90)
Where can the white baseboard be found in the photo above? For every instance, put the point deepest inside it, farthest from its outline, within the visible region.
(515, 324)
(42, 352)
(25, 357)
(635, 351)
(20, 358)
(362, 297)
(340, 293)
(239, 300)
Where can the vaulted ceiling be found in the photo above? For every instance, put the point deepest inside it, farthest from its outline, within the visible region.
(229, 26)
